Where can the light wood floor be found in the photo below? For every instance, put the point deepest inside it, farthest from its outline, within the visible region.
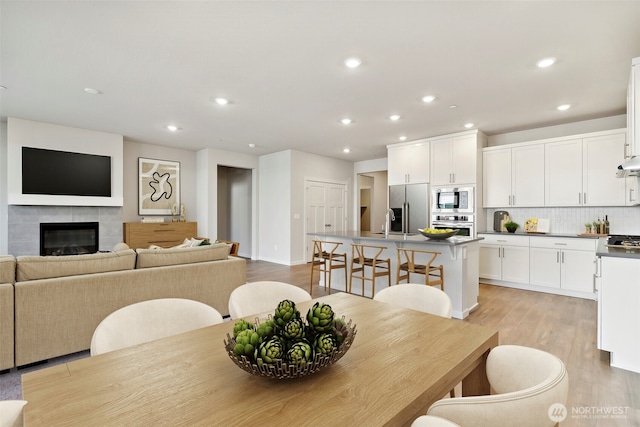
(563, 326)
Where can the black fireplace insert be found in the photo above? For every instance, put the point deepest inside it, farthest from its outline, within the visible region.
(69, 238)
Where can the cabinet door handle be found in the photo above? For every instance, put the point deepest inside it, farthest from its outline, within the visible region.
(631, 198)
(453, 178)
(509, 199)
(584, 198)
(557, 257)
(562, 257)
(579, 198)
(513, 200)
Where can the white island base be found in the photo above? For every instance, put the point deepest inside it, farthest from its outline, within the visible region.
(459, 256)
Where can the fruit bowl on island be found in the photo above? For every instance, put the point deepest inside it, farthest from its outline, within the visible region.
(287, 345)
(438, 233)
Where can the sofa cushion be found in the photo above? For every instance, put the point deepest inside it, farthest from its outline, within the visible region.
(46, 267)
(7, 269)
(172, 256)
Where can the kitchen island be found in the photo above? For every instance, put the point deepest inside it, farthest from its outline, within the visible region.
(618, 283)
(458, 255)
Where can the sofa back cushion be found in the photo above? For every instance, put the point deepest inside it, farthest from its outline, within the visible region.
(172, 256)
(7, 269)
(47, 267)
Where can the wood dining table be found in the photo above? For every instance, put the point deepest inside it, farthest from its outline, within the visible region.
(400, 362)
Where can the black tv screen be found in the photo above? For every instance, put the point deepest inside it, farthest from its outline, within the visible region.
(63, 173)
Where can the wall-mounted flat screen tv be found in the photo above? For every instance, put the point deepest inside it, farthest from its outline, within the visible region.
(64, 173)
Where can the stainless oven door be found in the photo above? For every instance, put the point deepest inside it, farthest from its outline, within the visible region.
(465, 229)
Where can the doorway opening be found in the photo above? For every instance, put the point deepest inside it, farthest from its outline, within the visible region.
(235, 207)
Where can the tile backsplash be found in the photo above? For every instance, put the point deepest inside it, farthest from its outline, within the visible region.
(622, 220)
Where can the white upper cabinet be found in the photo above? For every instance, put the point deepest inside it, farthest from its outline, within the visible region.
(601, 157)
(633, 111)
(408, 164)
(454, 160)
(563, 173)
(513, 176)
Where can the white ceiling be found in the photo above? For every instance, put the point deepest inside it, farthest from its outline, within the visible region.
(281, 65)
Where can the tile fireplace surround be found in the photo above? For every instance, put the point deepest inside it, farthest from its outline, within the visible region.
(24, 225)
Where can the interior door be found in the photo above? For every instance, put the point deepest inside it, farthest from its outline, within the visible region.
(325, 210)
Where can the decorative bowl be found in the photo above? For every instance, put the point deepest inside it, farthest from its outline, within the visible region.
(438, 236)
(283, 370)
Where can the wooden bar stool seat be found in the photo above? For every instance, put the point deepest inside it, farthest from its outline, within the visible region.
(360, 260)
(325, 260)
(433, 274)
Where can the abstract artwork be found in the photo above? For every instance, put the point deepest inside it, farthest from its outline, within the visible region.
(158, 187)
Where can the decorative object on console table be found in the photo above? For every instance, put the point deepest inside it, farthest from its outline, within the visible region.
(158, 186)
(164, 234)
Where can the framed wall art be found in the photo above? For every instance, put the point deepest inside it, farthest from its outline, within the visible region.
(158, 187)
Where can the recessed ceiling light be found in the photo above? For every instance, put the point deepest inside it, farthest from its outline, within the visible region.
(92, 91)
(564, 107)
(346, 121)
(346, 150)
(353, 62)
(172, 128)
(252, 145)
(428, 98)
(468, 125)
(453, 106)
(402, 138)
(221, 101)
(546, 62)
(394, 117)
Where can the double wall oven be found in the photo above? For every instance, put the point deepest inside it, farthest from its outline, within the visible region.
(453, 207)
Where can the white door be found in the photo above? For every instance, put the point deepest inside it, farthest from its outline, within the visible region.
(601, 156)
(325, 210)
(496, 175)
(527, 173)
(563, 173)
(463, 159)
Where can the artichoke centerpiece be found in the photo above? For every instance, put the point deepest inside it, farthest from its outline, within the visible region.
(287, 345)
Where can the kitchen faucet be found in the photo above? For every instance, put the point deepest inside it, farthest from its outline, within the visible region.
(387, 224)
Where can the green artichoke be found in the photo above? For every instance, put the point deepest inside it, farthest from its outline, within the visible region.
(267, 329)
(241, 325)
(300, 352)
(285, 311)
(340, 329)
(325, 344)
(320, 317)
(246, 343)
(270, 351)
(293, 330)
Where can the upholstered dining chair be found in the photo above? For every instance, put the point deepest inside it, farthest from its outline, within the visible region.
(528, 384)
(11, 413)
(431, 421)
(417, 297)
(150, 320)
(259, 297)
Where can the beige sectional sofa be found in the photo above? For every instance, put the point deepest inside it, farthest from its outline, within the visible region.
(7, 277)
(59, 301)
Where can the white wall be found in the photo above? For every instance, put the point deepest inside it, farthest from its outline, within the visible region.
(275, 200)
(4, 215)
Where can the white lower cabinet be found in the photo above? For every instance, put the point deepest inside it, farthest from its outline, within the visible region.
(564, 266)
(564, 263)
(618, 314)
(505, 258)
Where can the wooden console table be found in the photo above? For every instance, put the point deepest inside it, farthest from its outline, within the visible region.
(163, 234)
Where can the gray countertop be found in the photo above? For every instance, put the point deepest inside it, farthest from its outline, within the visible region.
(413, 238)
(605, 251)
(539, 234)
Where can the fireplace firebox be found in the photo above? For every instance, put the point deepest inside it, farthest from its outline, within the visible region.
(69, 238)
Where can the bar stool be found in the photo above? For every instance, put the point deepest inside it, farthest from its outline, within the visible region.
(433, 275)
(379, 267)
(325, 260)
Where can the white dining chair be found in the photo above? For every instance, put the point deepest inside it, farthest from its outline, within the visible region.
(431, 421)
(11, 413)
(259, 297)
(150, 320)
(418, 297)
(530, 385)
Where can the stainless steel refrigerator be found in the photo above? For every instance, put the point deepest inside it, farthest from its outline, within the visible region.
(410, 205)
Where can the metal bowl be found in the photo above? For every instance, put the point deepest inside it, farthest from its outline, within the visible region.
(439, 236)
